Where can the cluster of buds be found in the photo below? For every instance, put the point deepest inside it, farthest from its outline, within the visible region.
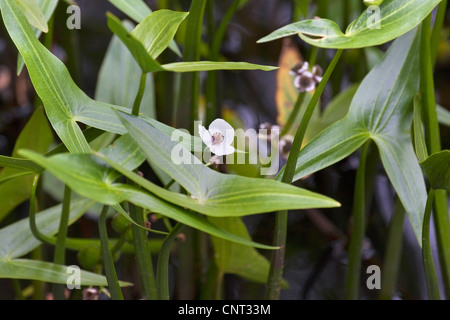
(305, 79)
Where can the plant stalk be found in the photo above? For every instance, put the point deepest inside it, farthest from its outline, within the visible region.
(427, 255)
(140, 240)
(277, 257)
(32, 212)
(17, 289)
(108, 261)
(143, 257)
(437, 29)
(392, 256)
(357, 236)
(433, 141)
(187, 110)
(162, 272)
(60, 247)
(212, 103)
(139, 95)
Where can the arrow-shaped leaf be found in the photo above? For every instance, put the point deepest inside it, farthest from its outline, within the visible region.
(138, 11)
(88, 175)
(217, 194)
(395, 17)
(380, 110)
(157, 30)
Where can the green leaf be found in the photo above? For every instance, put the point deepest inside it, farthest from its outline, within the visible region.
(47, 7)
(64, 102)
(213, 65)
(88, 175)
(373, 56)
(19, 164)
(381, 110)
(16, 240)
(336, 110)
(338, 106)
(48, 272)
(396, 18)
(333, 144)
(215, 193)
(437, 169)
(193, 143)
(157, 30)
(138, 11)
(119, 77)
(135, 9)
(136, 47)
(16, 187)
(33, 13)
(237, 259)
(13, 176)
(125, 152)
(123, 213)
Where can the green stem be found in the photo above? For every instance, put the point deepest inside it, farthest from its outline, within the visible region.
(162, 272)
(143, 257)
(211, 84)
(300, 134)
(294, 114)
(38, 286)
(433, 141)
(108, 261)
(212, 288)
(322, 8)
(187, 111)
(312, 57)
(169, 184)
(427, 255)
(60, 247)
(33, 224)
(17, 289)
(140, 240)
(277, 257)
(427, 90)
(393, 253)
(118, 245)
(437, 29)
(139, 95)
(357, 236)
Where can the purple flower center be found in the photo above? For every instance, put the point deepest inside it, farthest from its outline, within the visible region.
(217, 138)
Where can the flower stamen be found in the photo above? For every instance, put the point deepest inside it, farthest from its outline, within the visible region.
(217, 138)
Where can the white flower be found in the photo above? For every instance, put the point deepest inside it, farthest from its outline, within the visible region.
(219, 137)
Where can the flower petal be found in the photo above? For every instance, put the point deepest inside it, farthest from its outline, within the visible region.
(225, 128)
(221, 149)
(205, 135)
